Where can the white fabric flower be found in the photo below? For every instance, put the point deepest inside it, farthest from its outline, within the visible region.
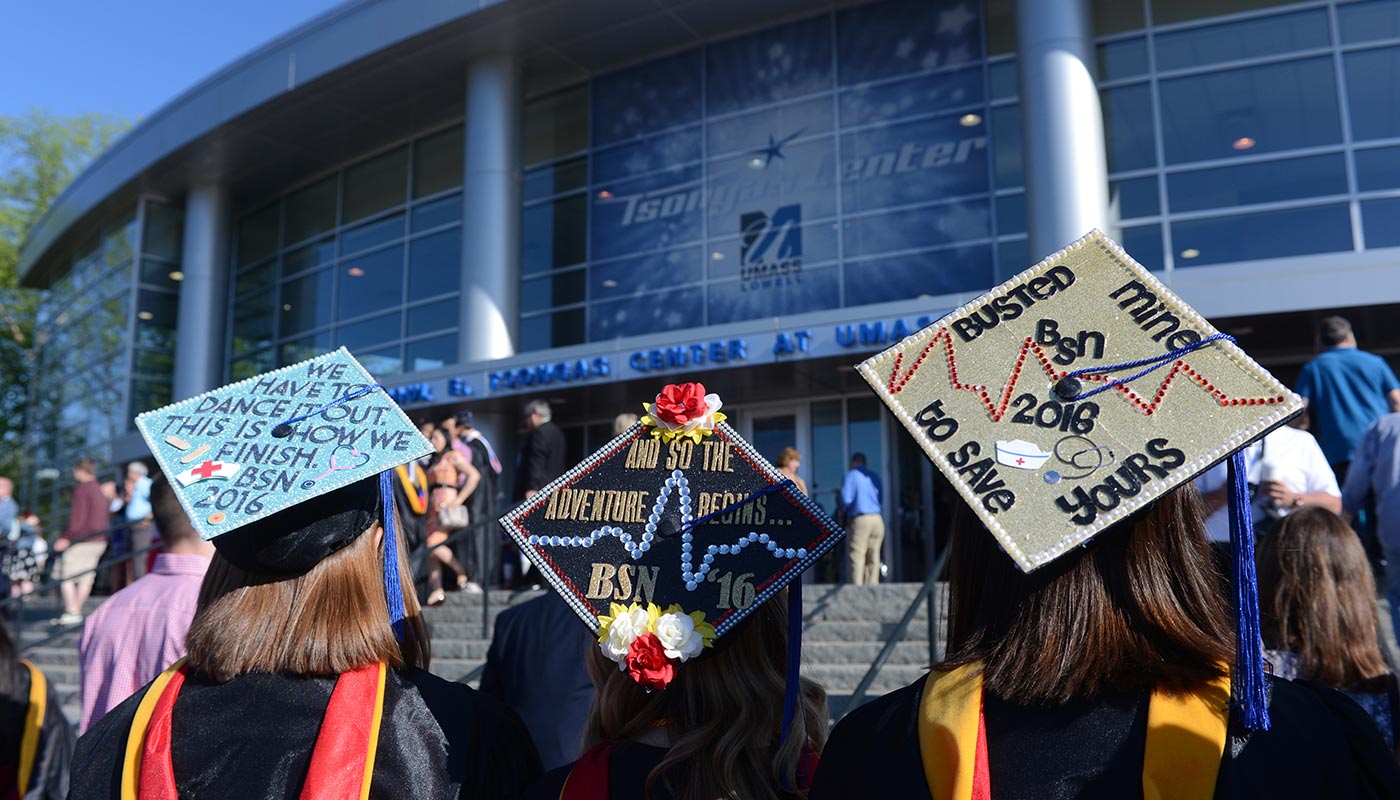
(624, 629)
(707, 422)
(678, 636)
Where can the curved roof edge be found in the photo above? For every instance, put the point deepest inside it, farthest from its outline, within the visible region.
(312, 50)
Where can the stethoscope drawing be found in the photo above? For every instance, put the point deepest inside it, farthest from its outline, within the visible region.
(1103, 455)
(307, 484)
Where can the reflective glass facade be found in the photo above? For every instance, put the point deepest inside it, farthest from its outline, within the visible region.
(368, 257)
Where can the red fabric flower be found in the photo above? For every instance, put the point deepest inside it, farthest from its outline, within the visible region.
(647, 662)
(679, 404)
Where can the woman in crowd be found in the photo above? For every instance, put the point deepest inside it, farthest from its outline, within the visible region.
(36, 742)
(1317, 600)
(683, 743)
(789, 460)
(1099, 673)
(290, 641)
(27, 555)
(445, 471)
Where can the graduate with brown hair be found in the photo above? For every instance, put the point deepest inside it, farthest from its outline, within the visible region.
(306, 675)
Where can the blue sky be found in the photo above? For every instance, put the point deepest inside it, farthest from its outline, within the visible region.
(129, 57)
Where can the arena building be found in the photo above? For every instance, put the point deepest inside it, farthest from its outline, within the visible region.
(494, 200)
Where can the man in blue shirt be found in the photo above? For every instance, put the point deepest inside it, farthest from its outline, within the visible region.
(1346, 389)
(860, 499)
(1375, 471)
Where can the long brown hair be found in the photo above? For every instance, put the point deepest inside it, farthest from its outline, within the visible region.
(1317, 599)
(330, 620)
(1139, 606)
(724, 709)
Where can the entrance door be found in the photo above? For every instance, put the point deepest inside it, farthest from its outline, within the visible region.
(772, 428)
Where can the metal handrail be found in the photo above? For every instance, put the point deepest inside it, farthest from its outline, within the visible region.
(417, 557)
(926, 592)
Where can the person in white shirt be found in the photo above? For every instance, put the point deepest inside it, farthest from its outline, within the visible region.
(1286, 470)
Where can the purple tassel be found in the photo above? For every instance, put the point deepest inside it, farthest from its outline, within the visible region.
(1247, 690)
(393, 592)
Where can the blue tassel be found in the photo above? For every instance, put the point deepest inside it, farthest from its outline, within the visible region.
(794, 655)
(393, 592)
(1248, 685)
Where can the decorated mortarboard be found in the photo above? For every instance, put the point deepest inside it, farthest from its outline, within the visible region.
(1076, 393)
(282, 469)
(671, 535)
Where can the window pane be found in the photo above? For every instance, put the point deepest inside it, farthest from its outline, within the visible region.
(547, 180)
(252, 364)
(371, 234)
(147, 395)
(1135, 197)
(157, 273)
(757, 131)
(370, 332)
(1186, 10)
(1006, 147)
(1117, 16)
(559, 289)
(809, 290)
(437, 316)
(910, 97)
(385, 361)
(302, 349)
(560, 329)
(638, 216)
(1234, 41)
(928, 159)
(306, 302)
(1128, 132)
(902, 37)
(310, 211)
(909, 229)
(437, 162)
(1364, 22)
(435, 213)
(433, 353)
(1272, 234)
(554, 234)
(1144, 244)
(1382, 222)
(1378, 169)
(663, 311)
(371, 282)
(1261, 109)
(154, 362)
(308, 256)
(257, 235)
(556, 125)
(1004, 79)
(649, 154)
(1122, 59)
(1013, 257)
(648, 97)
(1373, 93)
(164, 228)
(252, 323)
(1011, 214)
(1258, 182)
(648, 273)
(958, 269)
(376, 185)
(774, 192)
(768, 66)
(775, 245)
(156, 317)
(435, 264)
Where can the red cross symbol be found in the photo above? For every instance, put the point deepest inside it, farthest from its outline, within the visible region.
(207, 469)
(1019, 462)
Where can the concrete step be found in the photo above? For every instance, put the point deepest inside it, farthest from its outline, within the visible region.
(863, 653)
(843, 678)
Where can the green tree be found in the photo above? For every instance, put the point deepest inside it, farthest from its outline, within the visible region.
(40, 153)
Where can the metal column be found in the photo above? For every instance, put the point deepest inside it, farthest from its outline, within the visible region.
(1062, 124)
(199, 341)
(491, 209)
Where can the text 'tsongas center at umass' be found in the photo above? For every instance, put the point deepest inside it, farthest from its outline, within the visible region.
(581, 201)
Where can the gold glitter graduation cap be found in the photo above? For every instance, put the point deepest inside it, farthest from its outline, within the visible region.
(671, 534)
(1072, 395)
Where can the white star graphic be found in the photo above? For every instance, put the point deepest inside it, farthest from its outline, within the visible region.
(955, 19)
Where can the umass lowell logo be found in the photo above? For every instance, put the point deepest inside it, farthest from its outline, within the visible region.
(770, 252)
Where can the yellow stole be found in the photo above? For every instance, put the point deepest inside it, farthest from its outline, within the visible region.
(1185, 737)
(33, 725)
(415, 486)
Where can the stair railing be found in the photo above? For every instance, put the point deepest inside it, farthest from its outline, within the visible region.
(420, 555)
(927, 593)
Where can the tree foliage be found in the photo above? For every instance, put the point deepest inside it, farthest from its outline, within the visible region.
(40, 153)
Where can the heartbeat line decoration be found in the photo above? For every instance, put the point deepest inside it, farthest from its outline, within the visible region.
(1067, 446)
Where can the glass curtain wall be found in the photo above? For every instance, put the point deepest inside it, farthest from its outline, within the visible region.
(157, 307)
(368, 257)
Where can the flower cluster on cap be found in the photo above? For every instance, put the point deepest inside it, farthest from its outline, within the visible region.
(647, 643)
(683, 411)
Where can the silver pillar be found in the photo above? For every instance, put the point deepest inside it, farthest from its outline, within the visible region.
(491, 209)
(1062, 124)
(199, 341)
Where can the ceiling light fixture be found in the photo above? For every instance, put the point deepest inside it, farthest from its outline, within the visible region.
(970, 120)
(355, 272)
(756, 162)
(286, 306)
(1243, 143)
(145, 315)
(717, 256)
(1190, 252)
(177, 275)
(609, 284)
(605, 195)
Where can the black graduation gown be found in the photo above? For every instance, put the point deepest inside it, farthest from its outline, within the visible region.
(1321, 745)
(253, 736)
(628, 768)
(49, 778)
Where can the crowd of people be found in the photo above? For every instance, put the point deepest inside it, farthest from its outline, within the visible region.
(291, 608)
